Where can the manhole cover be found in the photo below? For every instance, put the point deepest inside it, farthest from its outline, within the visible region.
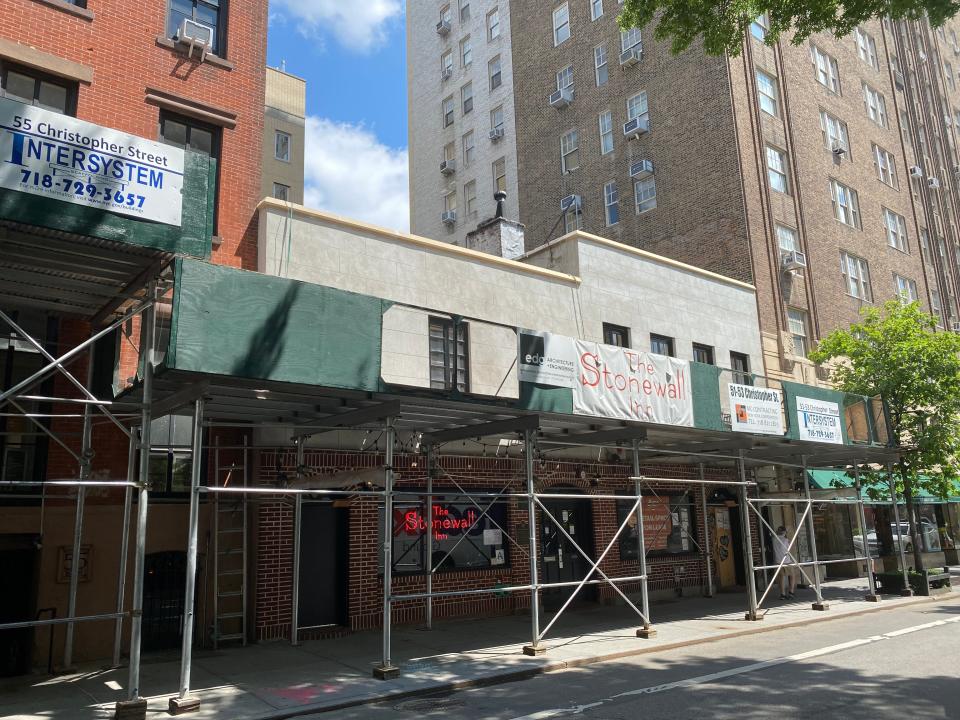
(428, 704)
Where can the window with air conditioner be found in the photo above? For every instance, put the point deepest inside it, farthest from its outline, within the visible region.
(787, 239)
(856, 274)
(569, 151)
(896, 227)
(496, 118)
(561, 24)
(846, 204)
(573, 219)
(630, 39)
(835, 135)
(209, 13)
(606, 132)
(565, 78)
(446, 64)
(645, 195)
(637, 107)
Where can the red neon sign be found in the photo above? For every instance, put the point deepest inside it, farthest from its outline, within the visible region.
(415, 523)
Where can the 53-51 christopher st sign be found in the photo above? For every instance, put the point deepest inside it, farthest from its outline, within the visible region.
(59, 157)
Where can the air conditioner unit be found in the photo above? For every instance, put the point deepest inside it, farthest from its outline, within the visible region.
(562, 97)
(448, 167)
(496, 133)
(916, 171)
(933, 183)
(446, 73)
(898, 79)
(641, 169)
(838, 150)
(570, 202)
(448, 217)
(793, 260)
(443, 27)
(636, 127)
(631, 56)
(195, 35)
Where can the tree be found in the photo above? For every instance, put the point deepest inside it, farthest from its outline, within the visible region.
(896, 353)
(722, 24)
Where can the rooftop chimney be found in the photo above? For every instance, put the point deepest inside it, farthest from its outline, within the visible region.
(498, 236)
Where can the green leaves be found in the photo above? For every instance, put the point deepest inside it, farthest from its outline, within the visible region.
(721, 25)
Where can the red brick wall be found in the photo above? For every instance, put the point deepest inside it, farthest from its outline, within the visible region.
(274, 557)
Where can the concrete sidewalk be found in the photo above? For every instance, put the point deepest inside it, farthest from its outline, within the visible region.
(276, 680)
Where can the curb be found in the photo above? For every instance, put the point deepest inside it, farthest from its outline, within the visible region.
(527, 673)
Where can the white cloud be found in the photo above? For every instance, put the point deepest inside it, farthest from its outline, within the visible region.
(350, 172)
(356, 25)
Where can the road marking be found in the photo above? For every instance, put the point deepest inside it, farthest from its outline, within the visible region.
(753, 667)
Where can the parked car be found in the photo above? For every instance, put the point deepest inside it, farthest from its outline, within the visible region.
(928, 530)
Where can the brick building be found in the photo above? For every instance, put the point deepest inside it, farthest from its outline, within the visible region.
(842, 150)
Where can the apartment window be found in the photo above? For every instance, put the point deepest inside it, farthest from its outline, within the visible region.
(281, 191)
(885, 166)
(466, 52)
(496, 118)
(703, 354)
(448, 355)
(468, 144)
(906, 289)
(866, 47)
(464, 10)
(856, 272)
(470, 198)
(760, 27)
(446, 63)
(596, 9)
(767, 93)
(611, 203)
(211, 13)
(466, 97)
(787, 239)
(449, 151)
(936, 306)
(600, 64)
(616, 335)
(948, 71)
(445, 14)
(661, 345)
(740, 369)
(565, 78)
(834, 133)
(493, 24)
(494, 70)
(826, 68)
(561, 24)
(447, 106)
(499, 175)
(573, 219)
(606, 132)
(36, 88)
(645, 195)
(630, 39)
(281, 146)
(569, 151)
(777, 169)
(797, 322)
(846, 204)
(876, 105)
(637, 106)
(194, 135)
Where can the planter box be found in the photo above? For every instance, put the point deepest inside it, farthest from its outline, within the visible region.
(931, 582)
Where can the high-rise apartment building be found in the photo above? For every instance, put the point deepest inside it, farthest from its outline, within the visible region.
(824, 173)
(284, 127)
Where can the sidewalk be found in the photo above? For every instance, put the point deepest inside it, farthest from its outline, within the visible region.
(276, 680)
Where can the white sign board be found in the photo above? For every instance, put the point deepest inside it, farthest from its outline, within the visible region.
(59, 157)
(819, 420)
(755, 409)
(610, 381)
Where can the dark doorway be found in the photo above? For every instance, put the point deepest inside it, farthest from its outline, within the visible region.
(164, 580)
(736, 532)
(18, 558)
(560, 561)
(324, 548)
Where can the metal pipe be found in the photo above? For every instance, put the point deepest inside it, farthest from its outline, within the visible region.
(813, 538)
(708, 550)
(862, 520)
(186, 648)
(124, 544)
(74, 576)
(297, 521)
(684, 481)
(60, 621)
(136, 612)
(387, 669)
(896, 518)
(517, 588)
(431, 458)
(290, 491)
(641, 539)
(534, 647)
(808, 563)
(750, 578)
(74, 483)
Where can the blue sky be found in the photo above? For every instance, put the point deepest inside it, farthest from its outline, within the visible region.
(353, 57)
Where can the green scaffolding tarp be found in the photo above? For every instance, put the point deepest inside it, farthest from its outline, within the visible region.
(832, 479)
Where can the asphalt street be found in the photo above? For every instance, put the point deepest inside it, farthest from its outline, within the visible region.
(901, 663)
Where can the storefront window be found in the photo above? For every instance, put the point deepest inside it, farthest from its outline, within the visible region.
(668, 526)
(472, 539)
(833, 529)
(929, 527)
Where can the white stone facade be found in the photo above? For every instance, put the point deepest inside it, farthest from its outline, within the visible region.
(427, 134)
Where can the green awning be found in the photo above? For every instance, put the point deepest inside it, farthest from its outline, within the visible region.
(832, 479)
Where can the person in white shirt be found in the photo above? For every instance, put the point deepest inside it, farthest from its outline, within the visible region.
(781, 550)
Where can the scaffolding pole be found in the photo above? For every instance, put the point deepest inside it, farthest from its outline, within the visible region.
(749, 572)
(907, 590)
(646, 631)
(534, 648)
(706, 534)
(297, 521)
(387, 670)
(862, 520)
(431, 451)
(124, 544)
(184, 702)
(819, 604)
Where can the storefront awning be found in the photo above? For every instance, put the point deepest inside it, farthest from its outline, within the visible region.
(838, 479)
